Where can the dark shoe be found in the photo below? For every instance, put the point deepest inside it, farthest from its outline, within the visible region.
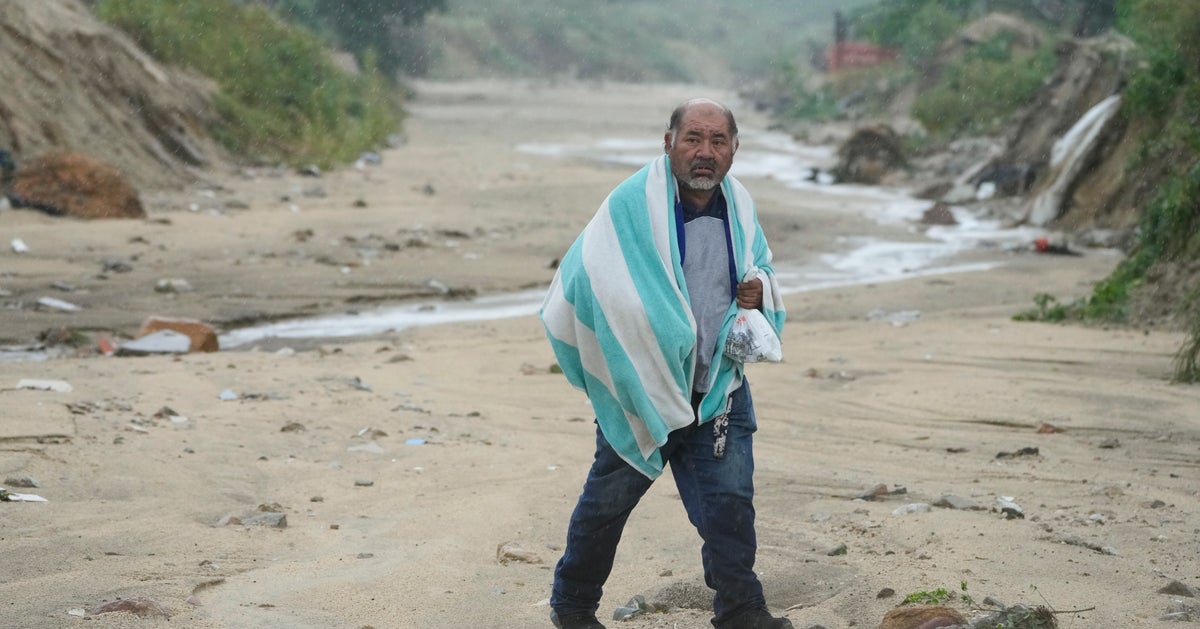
(581, 621)
(756, 619)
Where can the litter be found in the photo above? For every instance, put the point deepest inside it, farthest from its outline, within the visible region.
(58, 386)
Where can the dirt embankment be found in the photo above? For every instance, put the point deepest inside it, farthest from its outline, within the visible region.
(76, 84)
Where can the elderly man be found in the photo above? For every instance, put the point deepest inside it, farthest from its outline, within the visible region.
(638, 314)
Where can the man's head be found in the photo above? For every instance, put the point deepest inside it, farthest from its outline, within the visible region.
(701, 139)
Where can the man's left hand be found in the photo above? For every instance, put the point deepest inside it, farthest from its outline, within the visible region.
(750, 294)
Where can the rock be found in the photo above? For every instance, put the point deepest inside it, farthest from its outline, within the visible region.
(173, 285)
(23, 482)
(1174, 588)
(74, 184)
(509, 552)
(870, 154)
(840, 549)
(880, 491)
(269, 519)
(141, 607)
(909, 509)
(161, 342)
(202, 337)
(926, 617)
(19, 246)
(938, 214)
(885, 593)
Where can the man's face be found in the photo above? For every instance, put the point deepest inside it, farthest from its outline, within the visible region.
(703, 148)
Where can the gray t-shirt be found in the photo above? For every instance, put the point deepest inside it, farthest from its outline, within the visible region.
(706, 270)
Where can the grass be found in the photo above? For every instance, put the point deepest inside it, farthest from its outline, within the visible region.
(280, 96)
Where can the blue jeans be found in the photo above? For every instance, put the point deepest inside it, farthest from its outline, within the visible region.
(718, 494)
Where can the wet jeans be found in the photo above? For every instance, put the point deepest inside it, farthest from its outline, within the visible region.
(718, 494)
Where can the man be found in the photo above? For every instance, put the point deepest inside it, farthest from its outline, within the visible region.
(637, 315)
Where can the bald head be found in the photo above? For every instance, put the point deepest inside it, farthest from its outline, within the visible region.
(682, 108)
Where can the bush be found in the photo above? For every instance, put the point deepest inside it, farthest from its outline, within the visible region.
(979, 93)
(281, 97)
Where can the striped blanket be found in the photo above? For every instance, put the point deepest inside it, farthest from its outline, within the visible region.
(618, 317)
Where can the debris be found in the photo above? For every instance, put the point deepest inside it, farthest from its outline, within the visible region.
(141, 607)
(57, 304)
(1027, 451)
(19, 246)
(636, 605)
(161, 342)
(1110, 443)
(1010, 509)
(227, 395)
(1042, 245)
(414, 442)
(9, 496)
(1048, 429)
(1018, 617)
(201, 335)
(57, 386)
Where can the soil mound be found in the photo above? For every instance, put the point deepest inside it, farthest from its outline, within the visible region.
(73, 184)
(76, 84)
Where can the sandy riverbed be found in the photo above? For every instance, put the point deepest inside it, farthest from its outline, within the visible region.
(384, 533)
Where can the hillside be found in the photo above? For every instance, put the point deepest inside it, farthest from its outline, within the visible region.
(86, 87)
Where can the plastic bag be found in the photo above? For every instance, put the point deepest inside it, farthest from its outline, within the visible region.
(752, 339)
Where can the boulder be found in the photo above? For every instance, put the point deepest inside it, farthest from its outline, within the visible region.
(203, 337)
(870, 154)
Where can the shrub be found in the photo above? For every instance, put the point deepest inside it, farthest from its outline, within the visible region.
(280, 95)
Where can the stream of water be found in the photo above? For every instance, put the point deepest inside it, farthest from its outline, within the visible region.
(857, 260)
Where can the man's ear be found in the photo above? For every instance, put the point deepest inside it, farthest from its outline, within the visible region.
(736, 144)
(667, 142)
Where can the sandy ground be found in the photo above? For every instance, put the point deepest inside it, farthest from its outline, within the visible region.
(385, 533)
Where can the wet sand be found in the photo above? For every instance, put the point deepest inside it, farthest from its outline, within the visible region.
(382, 532)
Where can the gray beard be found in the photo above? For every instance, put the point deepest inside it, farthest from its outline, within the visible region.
(700, 183)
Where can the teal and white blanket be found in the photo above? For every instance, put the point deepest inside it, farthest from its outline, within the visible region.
(618, 316)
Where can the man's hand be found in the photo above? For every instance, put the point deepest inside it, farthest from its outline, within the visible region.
(750, 294)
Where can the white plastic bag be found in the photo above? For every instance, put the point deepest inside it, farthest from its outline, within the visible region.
(752, 339)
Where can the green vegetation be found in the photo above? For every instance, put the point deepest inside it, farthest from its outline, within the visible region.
(939, 596)
(371, 29)
(280, 95)
(980, 91)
